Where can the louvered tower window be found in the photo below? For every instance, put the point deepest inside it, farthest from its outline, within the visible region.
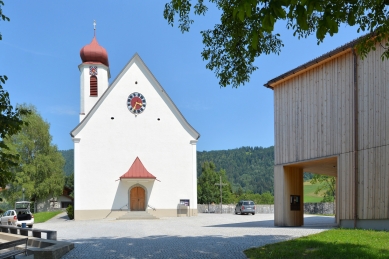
(93, 86)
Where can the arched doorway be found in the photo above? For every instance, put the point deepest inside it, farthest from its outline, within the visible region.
(137, 199)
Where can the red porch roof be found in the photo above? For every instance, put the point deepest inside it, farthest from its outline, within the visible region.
(137, 170)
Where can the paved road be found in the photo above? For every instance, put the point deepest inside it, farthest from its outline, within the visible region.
(204, 236)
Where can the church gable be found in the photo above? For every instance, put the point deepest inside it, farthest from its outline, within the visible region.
(130, 92)
(133, 118)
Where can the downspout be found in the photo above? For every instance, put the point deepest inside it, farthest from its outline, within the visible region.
(355, 138)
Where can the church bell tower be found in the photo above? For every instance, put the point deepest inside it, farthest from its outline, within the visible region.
(94, 74)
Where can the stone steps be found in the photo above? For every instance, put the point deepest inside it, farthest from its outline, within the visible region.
(132, 215)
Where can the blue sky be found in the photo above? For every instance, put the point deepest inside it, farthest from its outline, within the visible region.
(40, 55)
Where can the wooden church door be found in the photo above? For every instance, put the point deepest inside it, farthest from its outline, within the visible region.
(137, 199)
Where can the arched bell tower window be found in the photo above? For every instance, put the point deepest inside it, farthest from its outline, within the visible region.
(93, 86)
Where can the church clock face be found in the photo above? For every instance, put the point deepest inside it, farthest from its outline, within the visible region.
(136, 103)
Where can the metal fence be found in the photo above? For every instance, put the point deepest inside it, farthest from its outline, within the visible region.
(309, 208)
(230, 208)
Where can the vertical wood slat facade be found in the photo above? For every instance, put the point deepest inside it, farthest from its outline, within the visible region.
(373, 139)
(313, 114)
(315, 118)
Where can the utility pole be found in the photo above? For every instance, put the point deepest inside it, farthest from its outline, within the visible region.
(221, 194)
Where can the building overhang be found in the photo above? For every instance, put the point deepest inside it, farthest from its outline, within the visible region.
(137, 180)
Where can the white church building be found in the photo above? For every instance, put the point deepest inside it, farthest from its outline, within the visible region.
(133, 149)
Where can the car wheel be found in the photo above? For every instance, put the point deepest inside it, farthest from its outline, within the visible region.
(253, 214)
(236, 212)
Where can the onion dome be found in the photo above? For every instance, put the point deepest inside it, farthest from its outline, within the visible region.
(94, 53)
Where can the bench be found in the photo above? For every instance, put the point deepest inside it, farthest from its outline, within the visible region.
(50, 234)
(15, 251)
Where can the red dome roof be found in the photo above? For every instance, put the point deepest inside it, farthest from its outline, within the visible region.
(94, 53)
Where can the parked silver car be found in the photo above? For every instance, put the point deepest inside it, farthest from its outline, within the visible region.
(21, 214)
(245, 207)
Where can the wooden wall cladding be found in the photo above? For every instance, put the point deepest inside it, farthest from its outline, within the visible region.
(345, 186)
(314, 112)
(279, 182)
(288, 181)
(373, 188)
(314, 119)
(373, 100)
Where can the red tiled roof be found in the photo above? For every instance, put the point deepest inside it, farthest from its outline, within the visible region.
(137, 170)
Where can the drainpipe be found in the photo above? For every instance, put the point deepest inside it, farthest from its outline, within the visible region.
(355, 138)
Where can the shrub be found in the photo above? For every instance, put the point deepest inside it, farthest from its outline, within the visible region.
(70, 211)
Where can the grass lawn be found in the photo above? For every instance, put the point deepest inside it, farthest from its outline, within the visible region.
(334, 243)
(45, 216)
(309, 193)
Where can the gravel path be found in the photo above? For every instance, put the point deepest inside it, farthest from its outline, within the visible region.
(204, 236)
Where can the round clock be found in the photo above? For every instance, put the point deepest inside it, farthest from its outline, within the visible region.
(136, 103)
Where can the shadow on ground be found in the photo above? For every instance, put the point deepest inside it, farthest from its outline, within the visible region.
(252, 224)
(319, 221)
(169, 246)
(65, 217)
(312, 222)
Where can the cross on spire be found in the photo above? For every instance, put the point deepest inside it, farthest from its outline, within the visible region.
(221, 193)
(94, 27)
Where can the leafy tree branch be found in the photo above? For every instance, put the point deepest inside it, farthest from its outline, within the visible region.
(39, 166)
(247, 28)
(10, 124)
(327, 186)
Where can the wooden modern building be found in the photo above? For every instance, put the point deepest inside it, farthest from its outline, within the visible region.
(332, 118)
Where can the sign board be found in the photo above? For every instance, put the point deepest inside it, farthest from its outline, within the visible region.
(185, 202)
(294, 202)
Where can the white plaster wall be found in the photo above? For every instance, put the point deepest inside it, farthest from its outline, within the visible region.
(87, 101)
(108, 147)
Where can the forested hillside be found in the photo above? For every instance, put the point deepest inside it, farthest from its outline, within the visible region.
(69, 161)
(250, 168)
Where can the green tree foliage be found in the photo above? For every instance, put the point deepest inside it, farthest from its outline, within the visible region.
(308, 176)
(265, 198)
(39, 168)
(10, 123)
(327, 186)
(247, 28)
(69, 183)
(69, 161)
(247, 168)
(2, 16)
(207, 191)
(70, 211)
